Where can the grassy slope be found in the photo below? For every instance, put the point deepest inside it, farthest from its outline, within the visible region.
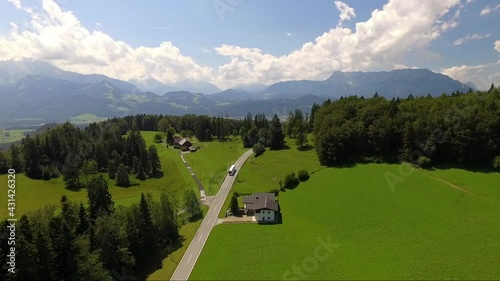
(213, 160)
(263, 173)
(424, 230)
(31, 194)
(15, 135)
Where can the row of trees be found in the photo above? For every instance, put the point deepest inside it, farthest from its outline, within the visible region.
(259, 131)
(97, 242)
(78, 154)
(462, 128)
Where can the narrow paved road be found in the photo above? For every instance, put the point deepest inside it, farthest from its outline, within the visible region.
(193, 251)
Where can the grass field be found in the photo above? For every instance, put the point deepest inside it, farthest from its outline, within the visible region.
(212, 161)
(87, 119)
(8, 136)
(427, 228)
(263, 173)
(34, 194)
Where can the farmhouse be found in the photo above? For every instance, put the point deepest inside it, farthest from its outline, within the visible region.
(263, 206)
(185, 144)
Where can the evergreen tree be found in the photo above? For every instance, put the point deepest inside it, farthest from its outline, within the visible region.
(141, 175)
(112, 243)
(234, 205)
(15, 158)
(100, 200)
(122, 178)
(31, 158)
(83, 223)
(192, 204)
(170, 136)
(88, 264)
(154, 160)
(276, 135)
(26, 256)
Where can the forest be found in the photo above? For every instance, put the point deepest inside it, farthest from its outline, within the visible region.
(456, 129)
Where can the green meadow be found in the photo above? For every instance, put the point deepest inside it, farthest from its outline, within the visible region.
(34, 194)
(8, 136)
(212, 161)
(264, 173)
(441, 224)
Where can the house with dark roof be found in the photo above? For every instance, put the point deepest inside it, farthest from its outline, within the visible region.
(263, 206)
(185, 144)
(177, 140)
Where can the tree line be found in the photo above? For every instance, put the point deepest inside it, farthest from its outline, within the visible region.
(463, 128)
(98, 242)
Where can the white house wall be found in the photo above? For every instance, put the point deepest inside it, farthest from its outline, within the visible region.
(265, 215)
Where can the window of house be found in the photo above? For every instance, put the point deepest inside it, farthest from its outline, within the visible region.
(268, 218)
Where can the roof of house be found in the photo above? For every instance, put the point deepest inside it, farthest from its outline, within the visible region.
(259, 201)
(177, 140)
(184, 141)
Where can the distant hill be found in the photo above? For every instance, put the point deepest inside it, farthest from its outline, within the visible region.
(395, 83)
(36, 92)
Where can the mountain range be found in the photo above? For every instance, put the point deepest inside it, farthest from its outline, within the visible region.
(37, 90)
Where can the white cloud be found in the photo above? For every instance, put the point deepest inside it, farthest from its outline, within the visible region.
(497, 45)
(489, 9)
(205, 50)
(481, 75)
(58, 36)
(16, 3)
(469, 37)
(386, 38)
(346, 12)
(289, 34)
(470, 1)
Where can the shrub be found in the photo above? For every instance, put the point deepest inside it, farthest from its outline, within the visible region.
(258, 149)
(291, 181)
(496, 163)
(424, 162)
(236, 194)
(55, 173)
(46, 173)
(157, 138)
(303, 175)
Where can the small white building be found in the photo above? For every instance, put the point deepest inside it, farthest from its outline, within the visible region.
(263, 206)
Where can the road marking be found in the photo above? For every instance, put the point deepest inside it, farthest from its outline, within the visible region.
(190, 258)
(200, 237)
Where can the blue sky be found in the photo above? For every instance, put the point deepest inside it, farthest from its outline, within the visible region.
(234, 42)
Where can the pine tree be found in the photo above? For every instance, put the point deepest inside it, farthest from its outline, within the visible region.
(100, 200)
(141, 175)
(154, 160)
(83, 223)
(276, 135)
(15, 158)
(122, 178)
(234, 205)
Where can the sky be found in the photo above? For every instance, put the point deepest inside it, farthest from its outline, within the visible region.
(240, 42)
